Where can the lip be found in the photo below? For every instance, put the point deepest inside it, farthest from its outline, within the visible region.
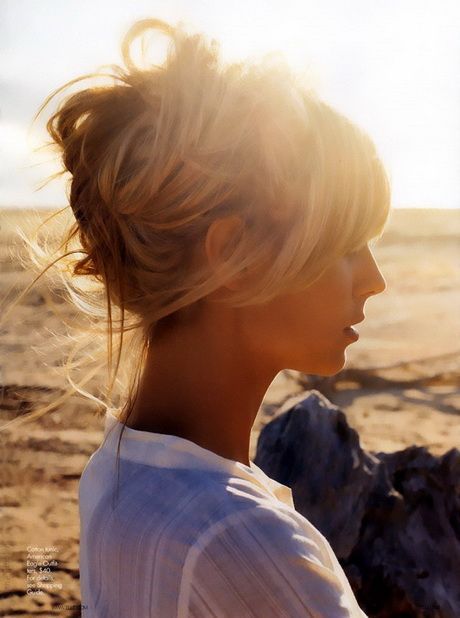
(351, 332)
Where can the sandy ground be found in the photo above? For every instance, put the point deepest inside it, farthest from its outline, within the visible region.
(400, 387)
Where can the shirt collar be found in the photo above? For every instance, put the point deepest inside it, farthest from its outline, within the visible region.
(168, 451)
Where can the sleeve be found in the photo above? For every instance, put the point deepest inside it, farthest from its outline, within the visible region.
(262, 564)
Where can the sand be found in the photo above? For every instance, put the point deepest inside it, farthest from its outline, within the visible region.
(400, 387)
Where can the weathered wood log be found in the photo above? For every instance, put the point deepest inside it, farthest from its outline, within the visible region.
(393, 519)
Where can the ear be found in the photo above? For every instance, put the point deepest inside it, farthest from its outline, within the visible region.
(221, 237)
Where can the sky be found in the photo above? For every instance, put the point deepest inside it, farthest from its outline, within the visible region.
(392, 66)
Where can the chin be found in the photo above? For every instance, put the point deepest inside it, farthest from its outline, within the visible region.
(326, 368)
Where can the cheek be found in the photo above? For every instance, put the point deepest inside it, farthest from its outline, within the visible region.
(310, 319)
(293, 323)
(331, 296)
(321, 306)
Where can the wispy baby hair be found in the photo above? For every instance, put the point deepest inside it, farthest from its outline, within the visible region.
(158, 154)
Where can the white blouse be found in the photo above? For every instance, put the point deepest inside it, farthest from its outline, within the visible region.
(193, 534)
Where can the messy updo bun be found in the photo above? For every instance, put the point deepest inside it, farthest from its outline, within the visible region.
(162, 151)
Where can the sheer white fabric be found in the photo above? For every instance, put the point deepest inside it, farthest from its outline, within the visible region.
(193, 534)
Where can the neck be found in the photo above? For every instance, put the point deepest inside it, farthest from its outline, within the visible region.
(204, 389)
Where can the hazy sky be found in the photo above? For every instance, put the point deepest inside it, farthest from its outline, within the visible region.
(390, 65)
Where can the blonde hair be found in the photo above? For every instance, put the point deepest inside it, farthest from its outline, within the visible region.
(160, 153)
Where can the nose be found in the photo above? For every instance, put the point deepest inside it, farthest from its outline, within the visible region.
(380, 284)
(371, 280)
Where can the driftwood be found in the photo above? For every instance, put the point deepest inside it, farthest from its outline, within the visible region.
(393, 519)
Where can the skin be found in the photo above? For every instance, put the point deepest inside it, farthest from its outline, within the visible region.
(206, 379)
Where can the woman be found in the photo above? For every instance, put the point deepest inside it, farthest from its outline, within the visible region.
(226, 212)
